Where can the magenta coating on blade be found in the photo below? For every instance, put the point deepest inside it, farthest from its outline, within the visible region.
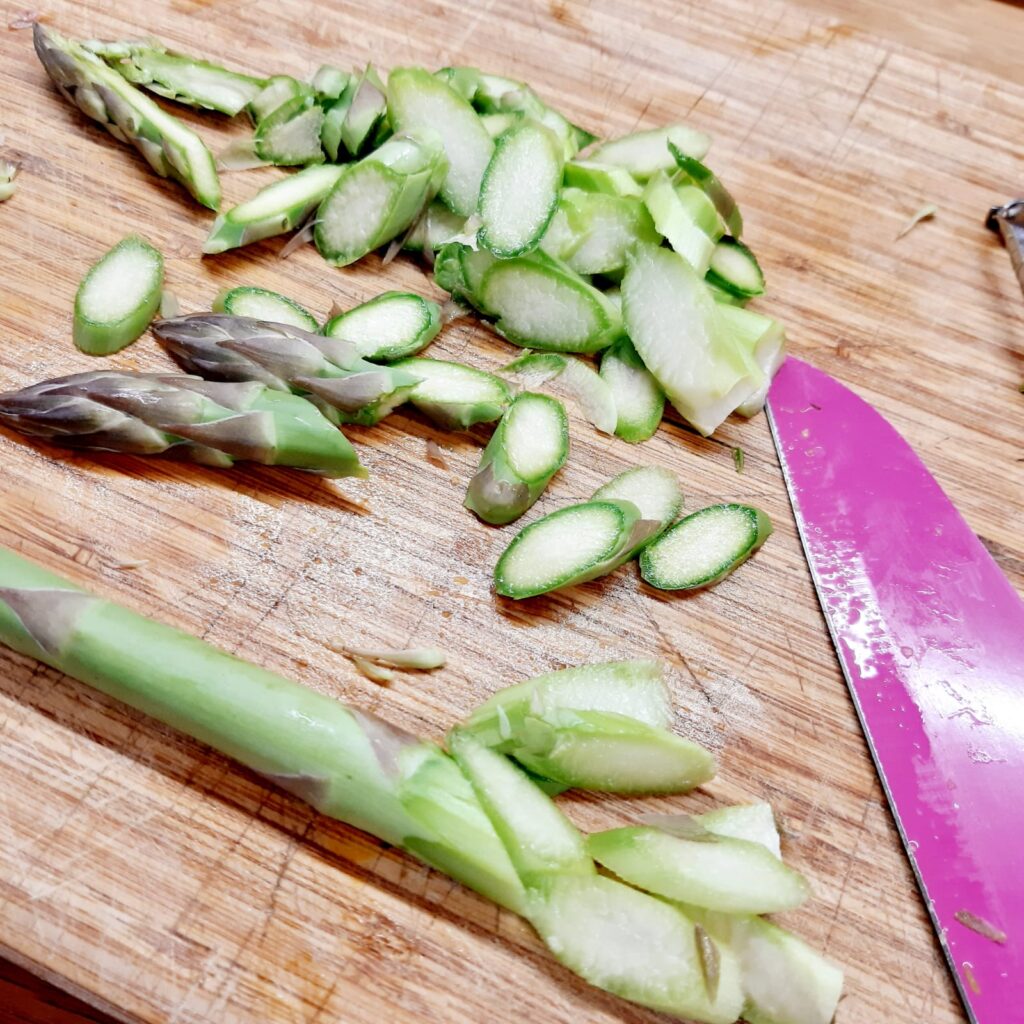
(930, 636)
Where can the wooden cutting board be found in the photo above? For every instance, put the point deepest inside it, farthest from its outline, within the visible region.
(162, 883)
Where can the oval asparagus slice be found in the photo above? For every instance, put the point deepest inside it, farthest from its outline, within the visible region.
(276, 92)
(593, 176)
(572, 545)
(327, 371)
(702, 365)
(527, 448)
(541, 303)
(181, 78)
(149, 413)
(686, 217)
(274, 210)
(765, 339)
(379, 197)
(418, 99)
(705, 547)
(435, 228)
(655, 492)
(391, 326)
(708, 870)
(753, 822)
(290, 134)
(636, 946)
(576, 378)
(734, 268)
(365, 113)
(645, 153)
(520, 188)
(262, 304)
(454, 395)
(693, 170)
(639, 400)
(171, 148)
(118, 297)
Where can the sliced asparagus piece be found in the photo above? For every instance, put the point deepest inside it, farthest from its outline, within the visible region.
(765, 339)
(527, 448)
(181, 78)
(753, 822)
(654, 491)
(455, 395)
(391, 326)
(274, 210)
(366, 112)
(460, 269)
(577, 379)
(634, 689)
(437, 226)
(734, 268)
(686, 217)
(784, 980)
(699, 174)
(335, 113)
(347, 763)
(592, 232)
(276, 92)
(636, 946)
(290, 134)
(601, 750)
(417, 99)
(639, 400)
(150, 413)
(572, 545)
(118, 297)
(721, 296)
(330, 83)
(610, 179)
(379, 197)
(541, 303)
(262, 304)
(705, 547)
(708, 870)
(541, 842)
(172, 149)
(8, 172)
(520, 188)
(645, 153)
(680, 333)
(498, 124)
(328, 371)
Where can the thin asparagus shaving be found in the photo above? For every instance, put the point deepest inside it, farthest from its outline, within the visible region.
(738, 459)
(981, 926)
(169, 305)
(710, 960)
(134, 563)
(435, 454)
(26, 19)
(423, 659)
(303, 236)
(239, 155)
(926, 212)
(376, 673)
(682, 826)
(393, 249)
(452, 309)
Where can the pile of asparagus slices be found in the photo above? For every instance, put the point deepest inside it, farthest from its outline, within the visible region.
(622, 274)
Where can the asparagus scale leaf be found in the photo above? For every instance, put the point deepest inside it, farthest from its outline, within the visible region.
(171, 148)
(328, 371)
(150, 413)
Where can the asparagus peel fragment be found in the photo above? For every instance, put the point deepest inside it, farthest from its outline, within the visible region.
(328, 371)
(150, 413)
(172, 149)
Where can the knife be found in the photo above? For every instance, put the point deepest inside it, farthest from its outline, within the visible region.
(930, 638)
(1008, 221)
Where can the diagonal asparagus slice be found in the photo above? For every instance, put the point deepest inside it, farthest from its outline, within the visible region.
(149, 413)
(329, 371)
(188, 80)
(172, 149)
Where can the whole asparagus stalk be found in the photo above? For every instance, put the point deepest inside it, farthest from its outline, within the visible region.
(150, 413)
(188, 80)
(346, 763)
(329, 371)
(172, 149)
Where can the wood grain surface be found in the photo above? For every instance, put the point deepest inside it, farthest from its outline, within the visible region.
(158, 881)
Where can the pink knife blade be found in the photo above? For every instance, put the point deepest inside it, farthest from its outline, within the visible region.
(930, 637)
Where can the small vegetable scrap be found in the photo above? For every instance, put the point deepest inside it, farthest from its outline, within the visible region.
(8, 172)
(981, 926)
(926, 212)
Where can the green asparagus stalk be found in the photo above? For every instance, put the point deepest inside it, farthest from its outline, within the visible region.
(328, 371)
(347, 763)
(150, 413)
(184, 79)
(172, 149)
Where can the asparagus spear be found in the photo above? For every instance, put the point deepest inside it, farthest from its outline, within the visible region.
(329, 371)
(150, 413)
(172, 149)
(347, 763)
(188, 80)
